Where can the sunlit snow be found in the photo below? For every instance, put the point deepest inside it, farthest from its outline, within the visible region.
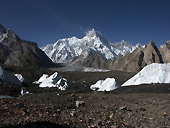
(55, 80)
(108, 84)
(153, 73)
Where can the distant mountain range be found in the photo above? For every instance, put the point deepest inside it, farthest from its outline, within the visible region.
(93, 50)
(68, 49)
(17, 52)
(139, 58)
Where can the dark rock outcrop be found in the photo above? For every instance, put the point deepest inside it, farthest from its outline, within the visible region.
(17, 52)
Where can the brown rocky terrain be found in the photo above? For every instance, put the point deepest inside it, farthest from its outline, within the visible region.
(88, 109)
(139, 58)
(79, 107)
(131, 61)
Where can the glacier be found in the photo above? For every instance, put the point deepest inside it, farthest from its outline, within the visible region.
(153, 73)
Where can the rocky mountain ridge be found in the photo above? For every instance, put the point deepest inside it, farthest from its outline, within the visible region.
(17, 52)
(93, 50)
(139, 58)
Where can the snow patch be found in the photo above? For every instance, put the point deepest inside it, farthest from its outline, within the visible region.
(42, 78)
(108, 84)
(153, 73)
(3, 36)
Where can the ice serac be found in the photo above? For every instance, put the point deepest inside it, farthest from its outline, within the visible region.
(17, 52)
(8, 78)
(108, 84)
(55, 80)
(165, 52)
(153, 73)
(41, 79)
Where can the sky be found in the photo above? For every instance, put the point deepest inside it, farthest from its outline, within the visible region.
(46, 21)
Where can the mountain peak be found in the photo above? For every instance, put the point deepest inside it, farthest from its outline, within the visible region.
(123, 42)
(93, 33)
(17, 52)
(167, 44)
(151, 43)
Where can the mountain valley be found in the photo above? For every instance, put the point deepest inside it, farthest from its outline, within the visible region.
(79, 64)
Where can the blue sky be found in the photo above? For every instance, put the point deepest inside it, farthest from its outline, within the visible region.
(45, 21)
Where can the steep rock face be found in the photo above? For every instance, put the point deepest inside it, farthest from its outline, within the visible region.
(17, 52)
(152, 54)
(165, 52)
(131, 61)
(138, 59)
(95, 60)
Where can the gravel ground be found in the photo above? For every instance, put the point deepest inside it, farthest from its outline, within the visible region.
(127, 107)
(90, 109)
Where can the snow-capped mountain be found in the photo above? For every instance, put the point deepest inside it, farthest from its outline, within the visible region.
(124, 47)
(66, 50)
